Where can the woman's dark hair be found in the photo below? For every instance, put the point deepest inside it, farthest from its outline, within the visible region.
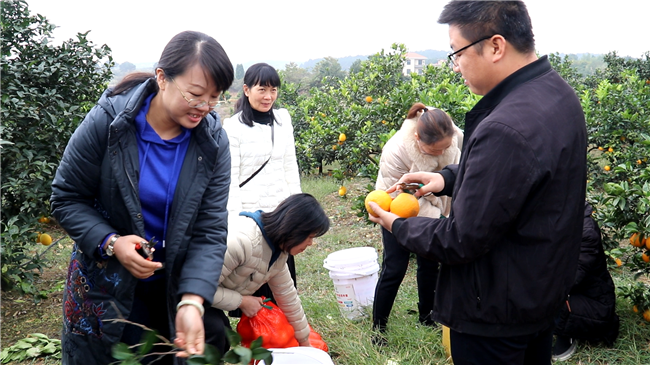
(183, 51)
(433, 124)
(478, 19)
(261, 74)
(294, 220)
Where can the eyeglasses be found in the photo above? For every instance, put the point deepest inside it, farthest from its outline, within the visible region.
(452, 56)
(196, 103)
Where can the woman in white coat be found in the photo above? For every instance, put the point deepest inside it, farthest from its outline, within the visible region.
(427, 141)
(259, 244)
(262, 149)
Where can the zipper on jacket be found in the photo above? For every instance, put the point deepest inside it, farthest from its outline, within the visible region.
(477, 286)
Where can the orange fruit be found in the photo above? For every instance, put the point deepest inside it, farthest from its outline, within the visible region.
(647, 243)
(645, 258)
(646, 315)
(635, 240)
(46, 239)
(334, 147)
(43, 219)
(342, 137)
(382, 198)
(600, 149)
(610, 149)
(635, 309)
(405, 205)
(607, 168)
(38, 238)
(638, 162)
(619, 262)
(342, 191)
(369, 99)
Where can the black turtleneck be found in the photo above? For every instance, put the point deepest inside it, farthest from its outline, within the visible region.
(263, 117)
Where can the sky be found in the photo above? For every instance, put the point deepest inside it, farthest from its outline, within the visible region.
(283, 31)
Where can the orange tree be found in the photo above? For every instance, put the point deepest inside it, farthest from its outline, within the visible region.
(46, 91)
(368, 107)
(617, 109)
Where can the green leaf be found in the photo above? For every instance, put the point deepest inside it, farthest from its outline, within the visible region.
(212, 355)
(256, 343)
(245, 354)
(121, 351)
(233, 336)
(198, 360)
(148, 340)
(231, 357)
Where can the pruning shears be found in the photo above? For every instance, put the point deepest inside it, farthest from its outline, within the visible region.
(409, 186)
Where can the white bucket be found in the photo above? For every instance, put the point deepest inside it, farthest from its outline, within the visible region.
(354, 273)
(299, 355)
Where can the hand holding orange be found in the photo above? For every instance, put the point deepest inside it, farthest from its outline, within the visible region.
(404, 205)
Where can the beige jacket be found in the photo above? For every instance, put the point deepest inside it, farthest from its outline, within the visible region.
(402, 155)
(246, 269)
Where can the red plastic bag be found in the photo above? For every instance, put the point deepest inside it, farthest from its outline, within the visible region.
(271, 324)
(315, 340)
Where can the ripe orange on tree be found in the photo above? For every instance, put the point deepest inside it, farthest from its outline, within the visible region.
(381, 197)
(610, 149)
(607, 168)
(647, 243)
(645, 258)
(635, 309)
(46, 239)
(369, 99)
(635, 240)
(43, 219)
(342, 137)
(405, 205)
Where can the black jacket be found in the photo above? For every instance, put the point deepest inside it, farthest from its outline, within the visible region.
(590, 311)
(95, 192)
(510, 247)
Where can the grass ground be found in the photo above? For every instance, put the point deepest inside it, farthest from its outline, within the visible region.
(349, 341)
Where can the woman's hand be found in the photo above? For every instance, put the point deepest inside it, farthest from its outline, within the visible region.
(250, 305)
(190, 334)
(433, 183)
(124, 249)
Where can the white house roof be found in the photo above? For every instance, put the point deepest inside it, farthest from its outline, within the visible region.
(416, 56)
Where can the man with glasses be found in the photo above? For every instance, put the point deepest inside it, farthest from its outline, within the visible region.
(509, 249)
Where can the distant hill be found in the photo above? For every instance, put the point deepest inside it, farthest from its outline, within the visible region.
(346, 62)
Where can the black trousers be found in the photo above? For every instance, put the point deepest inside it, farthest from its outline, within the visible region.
(150, 309)
(215, 323)
(533, 349)
(393, 268)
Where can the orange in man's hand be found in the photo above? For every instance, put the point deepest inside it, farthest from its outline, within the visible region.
(382, 198)
(405, 205)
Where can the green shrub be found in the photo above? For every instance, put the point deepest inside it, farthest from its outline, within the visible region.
(46, 92)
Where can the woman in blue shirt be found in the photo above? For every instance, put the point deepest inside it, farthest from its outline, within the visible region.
(150, 162)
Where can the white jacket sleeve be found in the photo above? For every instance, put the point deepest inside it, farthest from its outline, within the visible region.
(291, 171)
(391, 164)
(286, 296)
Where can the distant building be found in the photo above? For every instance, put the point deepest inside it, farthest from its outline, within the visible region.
(414, 63)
